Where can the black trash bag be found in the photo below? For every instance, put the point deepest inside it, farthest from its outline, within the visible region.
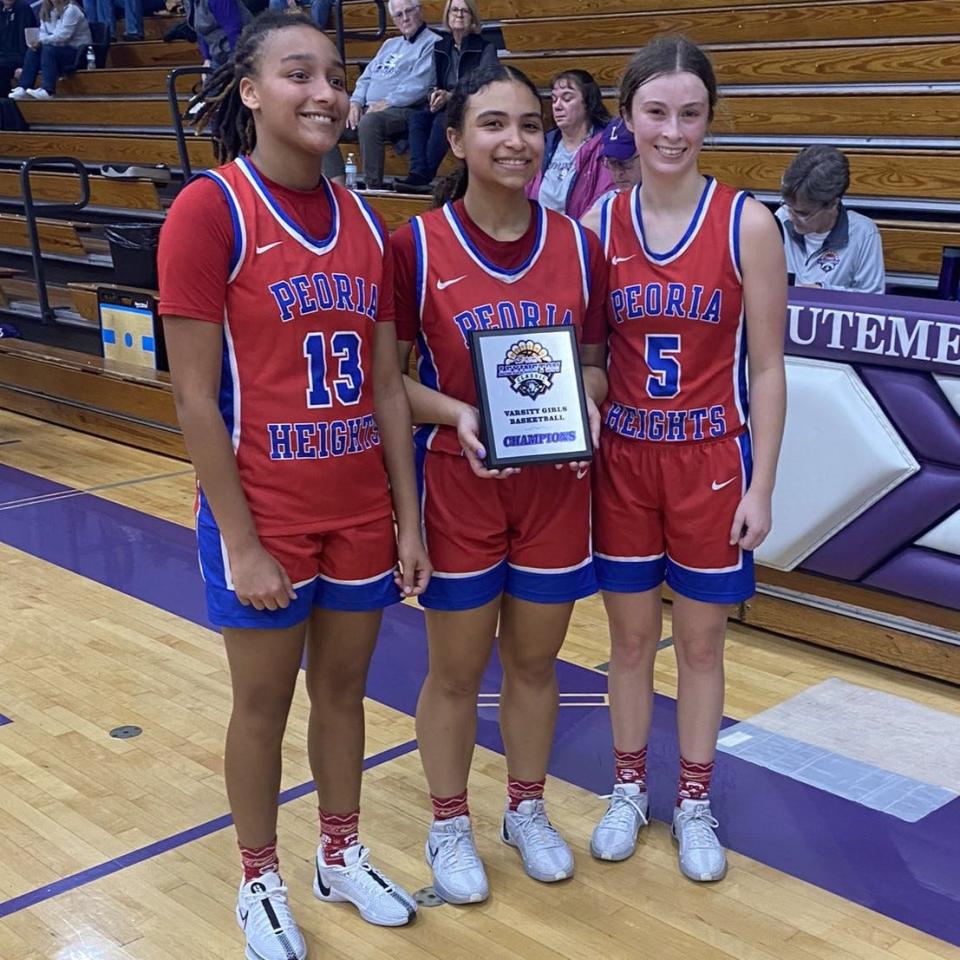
(133, 247)
(10, 116)
(182, 31)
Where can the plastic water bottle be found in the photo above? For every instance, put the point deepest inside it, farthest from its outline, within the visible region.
(91, 59)
(350, 169)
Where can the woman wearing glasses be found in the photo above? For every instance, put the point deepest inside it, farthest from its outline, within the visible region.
(455, 56)
(826, 244)
(391, 88)
(572, 176)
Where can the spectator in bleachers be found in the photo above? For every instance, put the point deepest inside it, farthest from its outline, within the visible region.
(319, 9)
(456, 55)
(572, 176)
(64, 33)
(15, 17)
(133, 12)
(619, 155)
(396, 82)
(218, 24)
(826, 244)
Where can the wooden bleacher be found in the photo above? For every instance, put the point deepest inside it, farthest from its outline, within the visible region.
(879, 77)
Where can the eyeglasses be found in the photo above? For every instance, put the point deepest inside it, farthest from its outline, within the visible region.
(460, 12)
(805, 216)
(612, 163)
(405, 14)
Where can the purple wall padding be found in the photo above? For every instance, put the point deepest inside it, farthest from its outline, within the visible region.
(922, 574)
(894, 522)
(919, 410)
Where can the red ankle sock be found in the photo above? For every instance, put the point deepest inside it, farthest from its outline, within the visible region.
(520, 790)
(631, 766)
(259, 860)
(337, 832)
(446, 808)
(694, 783)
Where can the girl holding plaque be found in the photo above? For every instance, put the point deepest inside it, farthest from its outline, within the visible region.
(512, 545)
(697, 298)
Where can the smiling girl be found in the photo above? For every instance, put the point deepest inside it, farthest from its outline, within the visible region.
(277, 303)
(686, 470)
(512, 546)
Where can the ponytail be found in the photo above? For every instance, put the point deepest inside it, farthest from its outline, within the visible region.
(454, 186)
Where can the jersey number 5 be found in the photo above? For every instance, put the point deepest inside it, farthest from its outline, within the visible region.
(664, 379)
(347, 383)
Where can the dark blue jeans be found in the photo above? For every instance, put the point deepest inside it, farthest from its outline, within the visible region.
(50, 62)
(428, 142)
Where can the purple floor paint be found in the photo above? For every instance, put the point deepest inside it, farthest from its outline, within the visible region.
(906, 871)
(17, 485)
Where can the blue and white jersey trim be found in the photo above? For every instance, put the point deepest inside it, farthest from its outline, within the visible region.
(236, 219)
(314, 245)
(583, 252)
(699, 216)
(505, 276)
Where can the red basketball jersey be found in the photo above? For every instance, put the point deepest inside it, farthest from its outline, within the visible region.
(459, 290)
(677, 366)
(296, 392)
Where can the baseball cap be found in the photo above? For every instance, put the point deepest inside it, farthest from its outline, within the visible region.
(618, 141)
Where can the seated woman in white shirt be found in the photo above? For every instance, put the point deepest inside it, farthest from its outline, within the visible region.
(826, 244)
(64, 32)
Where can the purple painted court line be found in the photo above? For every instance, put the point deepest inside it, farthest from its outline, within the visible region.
(33, 897)
(19, 485)
(906, 871)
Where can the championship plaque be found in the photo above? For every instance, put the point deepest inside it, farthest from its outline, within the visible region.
(530, 395)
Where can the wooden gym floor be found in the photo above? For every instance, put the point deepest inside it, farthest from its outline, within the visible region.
(120, 848)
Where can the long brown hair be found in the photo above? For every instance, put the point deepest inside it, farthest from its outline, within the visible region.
(454, 186)
(46, 8)
(665, 55)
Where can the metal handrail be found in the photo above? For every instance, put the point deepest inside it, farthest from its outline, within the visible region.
(47, 314)
(344, 35)
(174, 75)
(177, 117)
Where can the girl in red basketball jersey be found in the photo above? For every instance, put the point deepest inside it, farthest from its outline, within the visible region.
(277, 303)
(697, 297)
(512, 546)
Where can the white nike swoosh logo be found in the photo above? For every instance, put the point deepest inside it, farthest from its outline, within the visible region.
(617, 260)
(268, 246)
(720, 486)
(443, 284)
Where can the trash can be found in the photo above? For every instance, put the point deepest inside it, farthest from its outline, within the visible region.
(133, 247)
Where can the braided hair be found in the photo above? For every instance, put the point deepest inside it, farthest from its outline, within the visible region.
(454, 186)
(218, 104)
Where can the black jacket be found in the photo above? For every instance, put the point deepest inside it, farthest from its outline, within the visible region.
(474, 52)
(13, 21)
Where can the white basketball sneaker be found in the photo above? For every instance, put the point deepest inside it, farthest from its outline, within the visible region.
(701, 856)
(546, 855)
(263, 913)
(378, 899)
(458, 874)
(615, 836)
